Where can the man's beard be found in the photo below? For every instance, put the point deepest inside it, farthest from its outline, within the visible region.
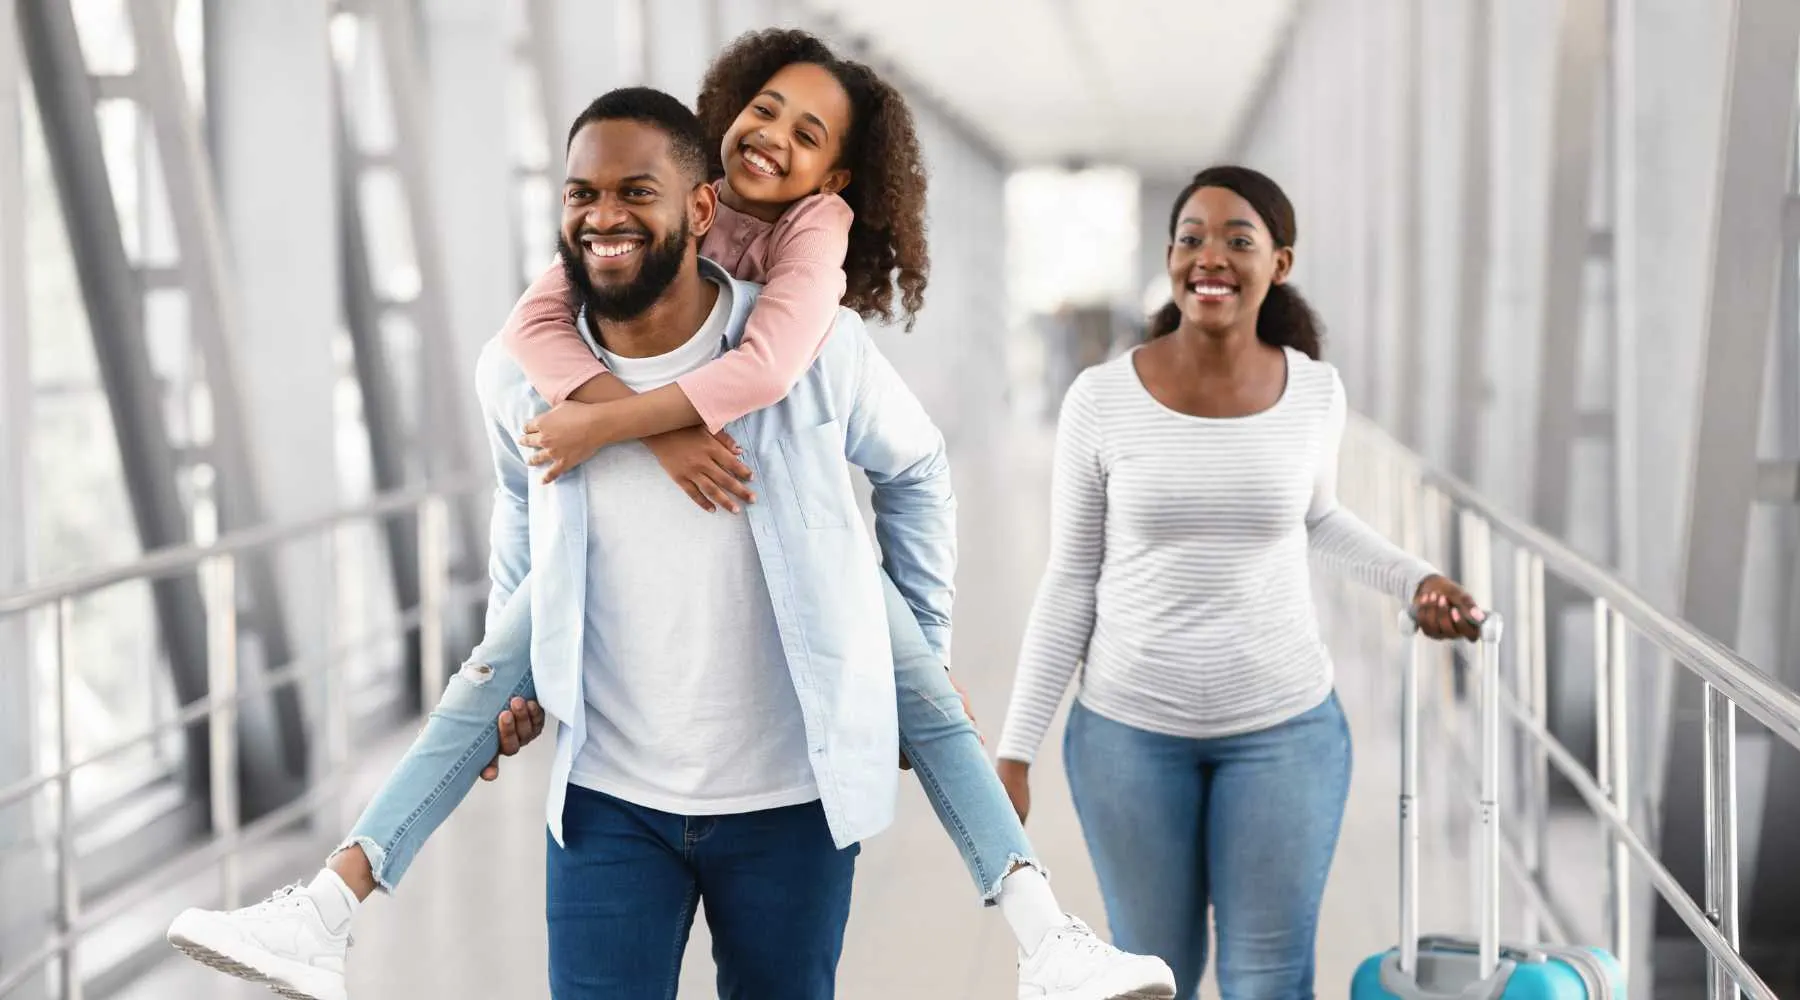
(662, 262)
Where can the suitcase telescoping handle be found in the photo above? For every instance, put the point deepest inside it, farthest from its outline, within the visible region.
(1492, 626)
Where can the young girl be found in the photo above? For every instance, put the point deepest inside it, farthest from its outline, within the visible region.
(822, 198)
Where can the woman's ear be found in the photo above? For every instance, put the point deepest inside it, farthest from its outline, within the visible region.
(1284, 265)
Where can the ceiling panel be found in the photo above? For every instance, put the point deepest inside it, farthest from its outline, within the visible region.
(1154, 85)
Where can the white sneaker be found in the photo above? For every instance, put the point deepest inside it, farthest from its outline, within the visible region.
(281, 942)
(1072, 963)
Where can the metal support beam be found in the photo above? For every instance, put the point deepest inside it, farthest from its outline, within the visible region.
(275, 756)
(375, 374)
(439, 433)
(273, 174)
(448, 432)
(1747, 247)
(1580, 64)
(1774, 897)
(1778, 482)
(1472, 390)
(543, 62)
(546, 70)
(29, 886)
(1408, 179)
(110, 292)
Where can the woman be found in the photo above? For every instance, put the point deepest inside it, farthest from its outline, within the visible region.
(1194, 477)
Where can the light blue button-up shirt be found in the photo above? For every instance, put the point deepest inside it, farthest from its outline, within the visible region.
(851, 406)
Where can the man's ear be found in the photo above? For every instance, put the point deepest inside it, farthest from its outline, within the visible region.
(703, 209)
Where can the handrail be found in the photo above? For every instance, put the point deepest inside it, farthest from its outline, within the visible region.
(215, 564)
(1671, 891)
(1419, 501)
(1772, 703)
(184, 558)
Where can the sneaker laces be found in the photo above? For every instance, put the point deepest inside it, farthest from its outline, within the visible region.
(289, 897)
(1083, 939)
(282, 898)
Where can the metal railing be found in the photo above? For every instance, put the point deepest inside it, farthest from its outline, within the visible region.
(217, 565)
(1415, 504)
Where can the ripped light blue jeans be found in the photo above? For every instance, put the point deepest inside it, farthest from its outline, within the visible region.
(460, 738)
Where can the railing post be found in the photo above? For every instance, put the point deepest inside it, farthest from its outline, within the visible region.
(336, 695)
(220, 581)
(1602, 700)
(1720, 766)
(434, 570)
(1528, 790)
(67, 878)
(1618, 854)
(1540, 716)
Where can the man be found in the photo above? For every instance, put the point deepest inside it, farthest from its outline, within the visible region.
(724, 684)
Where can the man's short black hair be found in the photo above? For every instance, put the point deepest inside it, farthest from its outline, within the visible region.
(687, 140)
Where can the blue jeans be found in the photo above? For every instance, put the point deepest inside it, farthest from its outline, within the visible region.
(1247, 823)
(620, 898)
(460, 738)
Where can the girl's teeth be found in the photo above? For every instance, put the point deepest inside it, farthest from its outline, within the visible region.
(760, 162)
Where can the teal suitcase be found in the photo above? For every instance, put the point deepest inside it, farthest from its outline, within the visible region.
(1451, 968)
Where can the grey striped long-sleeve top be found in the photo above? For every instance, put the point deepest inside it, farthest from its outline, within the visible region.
(1179, 560)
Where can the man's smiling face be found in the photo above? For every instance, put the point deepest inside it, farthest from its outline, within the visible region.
(625, 229)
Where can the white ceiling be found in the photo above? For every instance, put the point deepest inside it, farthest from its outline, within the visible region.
(1145, 83)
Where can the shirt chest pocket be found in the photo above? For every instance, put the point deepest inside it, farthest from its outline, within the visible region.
(818, 477)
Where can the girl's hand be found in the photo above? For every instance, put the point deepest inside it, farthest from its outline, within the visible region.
(565, 436)
(705, 466)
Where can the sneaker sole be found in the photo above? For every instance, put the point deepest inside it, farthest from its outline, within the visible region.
(1152, 992)
(219, 961)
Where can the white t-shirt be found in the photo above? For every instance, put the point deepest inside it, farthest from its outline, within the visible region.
(690, 706)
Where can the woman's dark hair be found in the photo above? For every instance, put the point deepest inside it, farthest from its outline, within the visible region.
(1285, 319)
(881, 151)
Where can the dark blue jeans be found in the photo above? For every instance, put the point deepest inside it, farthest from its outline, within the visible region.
(620, 900)
(1247, 823)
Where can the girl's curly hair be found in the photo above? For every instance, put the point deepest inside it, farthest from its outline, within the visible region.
(881, 151)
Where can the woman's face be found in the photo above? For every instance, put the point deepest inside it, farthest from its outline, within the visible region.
(785, 145)
(1222, 261)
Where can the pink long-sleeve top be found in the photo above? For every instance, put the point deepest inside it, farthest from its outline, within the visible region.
(799, 258)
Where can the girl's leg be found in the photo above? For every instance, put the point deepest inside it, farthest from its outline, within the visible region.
(1060, 956)
(296, 940)
(1275, 807)
(445, 761)
(940, 740)
(1141, 800)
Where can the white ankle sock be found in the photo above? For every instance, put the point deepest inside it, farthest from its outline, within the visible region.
(336, 903)
(1029, 907)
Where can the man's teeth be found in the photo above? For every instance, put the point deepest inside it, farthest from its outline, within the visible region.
(609, 249)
